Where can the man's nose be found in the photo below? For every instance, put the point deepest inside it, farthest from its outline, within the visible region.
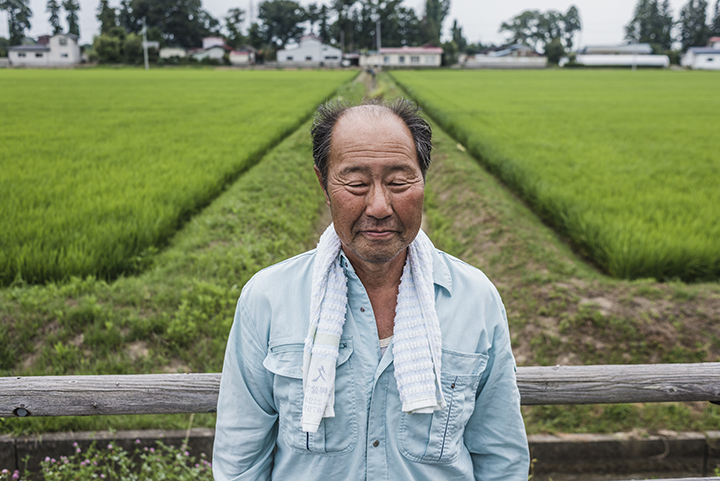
(378, 203)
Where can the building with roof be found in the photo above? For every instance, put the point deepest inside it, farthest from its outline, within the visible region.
(215, 52)
(518, 56)
(625, 55)
(173, 51)
(310, 52)
(427, 56)
(243, 56)
(703, 58)
(51, 51)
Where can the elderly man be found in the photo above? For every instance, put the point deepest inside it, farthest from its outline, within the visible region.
(374, 356)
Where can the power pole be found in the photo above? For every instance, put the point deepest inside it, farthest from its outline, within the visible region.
(145, 47)
(377, 34)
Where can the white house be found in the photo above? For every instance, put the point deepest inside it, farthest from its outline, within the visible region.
(56, 51)
(703, 58)
(216, 52)
(212, 42)
(243, 56)
(516, 56)
(626, 55)
(310, 52)
(413, 57)
(170, 52)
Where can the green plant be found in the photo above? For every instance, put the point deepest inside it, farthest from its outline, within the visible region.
(163, 462)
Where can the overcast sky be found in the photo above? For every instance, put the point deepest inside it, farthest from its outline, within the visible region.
(603, 21)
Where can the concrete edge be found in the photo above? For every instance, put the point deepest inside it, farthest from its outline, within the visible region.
(691, 453)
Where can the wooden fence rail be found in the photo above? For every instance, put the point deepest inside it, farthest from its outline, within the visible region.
(197, 393)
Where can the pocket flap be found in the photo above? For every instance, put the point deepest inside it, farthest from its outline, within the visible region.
(463, 363)
(287, 359)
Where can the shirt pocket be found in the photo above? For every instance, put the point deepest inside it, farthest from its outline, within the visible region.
(337, 435)
(437, 438)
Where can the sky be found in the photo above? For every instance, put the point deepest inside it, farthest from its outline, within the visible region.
(603, 21)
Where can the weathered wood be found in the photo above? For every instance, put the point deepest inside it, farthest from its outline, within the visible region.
(619, 383)
(197, 393)
(100, 395)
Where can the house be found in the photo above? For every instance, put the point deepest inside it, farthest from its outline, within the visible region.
(310, 52)
(209, 42)
(243, 56)
(703, 58)
(625, 55)
(216, 52)
(170, 52)
(412, 57)
(50, 51)
(518, 56)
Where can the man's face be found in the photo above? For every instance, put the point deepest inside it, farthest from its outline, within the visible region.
(375, 187)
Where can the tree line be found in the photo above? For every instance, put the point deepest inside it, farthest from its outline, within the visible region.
(349, 24)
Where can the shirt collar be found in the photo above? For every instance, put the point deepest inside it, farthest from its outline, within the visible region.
(441, 273)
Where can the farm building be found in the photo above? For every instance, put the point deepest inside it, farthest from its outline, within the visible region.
(626, 55)
(413, 57)
(50, 51)
(216, 52)
(170, 52)
(310, 51)
(703, 58)
(516, 56)
(243, 56)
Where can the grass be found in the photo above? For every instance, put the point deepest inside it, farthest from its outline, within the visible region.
(176, 316)
(624, 164)
(100, 167)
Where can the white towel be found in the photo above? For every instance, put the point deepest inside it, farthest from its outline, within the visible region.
(417, 341)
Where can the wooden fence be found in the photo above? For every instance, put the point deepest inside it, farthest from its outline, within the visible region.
(197, 393)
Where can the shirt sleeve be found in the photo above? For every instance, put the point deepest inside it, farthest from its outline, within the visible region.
(495, 434)
(246, 428)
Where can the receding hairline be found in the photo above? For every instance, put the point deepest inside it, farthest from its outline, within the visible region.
(370, 113)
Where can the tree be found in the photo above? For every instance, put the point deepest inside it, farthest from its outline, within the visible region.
(694, 31)
(182, 22)
(233, 22)
(541, 29)
(53, 8)
(715, 25)
(324, 24)
(522, 27)
(312, 16)
(4, 44)
(651, 23)
(71, 8)
(435, 13)
(571, 24)
(457, 37)
(281, 21)
(19, 14)
(107, 16)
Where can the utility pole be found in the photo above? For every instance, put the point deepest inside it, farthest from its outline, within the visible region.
(145, 47)
(377, 34)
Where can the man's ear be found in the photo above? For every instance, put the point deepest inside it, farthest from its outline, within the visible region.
(318, 174)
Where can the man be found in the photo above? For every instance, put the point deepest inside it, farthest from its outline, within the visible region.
(374, 356)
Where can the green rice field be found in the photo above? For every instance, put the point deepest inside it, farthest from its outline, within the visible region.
(98, 168)
(625, 164)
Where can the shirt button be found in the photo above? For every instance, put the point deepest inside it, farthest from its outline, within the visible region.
(376, 444)
(362, 309)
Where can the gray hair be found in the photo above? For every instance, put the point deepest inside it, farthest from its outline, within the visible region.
(406, 110)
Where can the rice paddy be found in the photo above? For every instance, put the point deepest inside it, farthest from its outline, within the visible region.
(98, 168)
(624, 164)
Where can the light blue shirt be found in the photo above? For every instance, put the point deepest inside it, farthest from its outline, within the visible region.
(479, 435)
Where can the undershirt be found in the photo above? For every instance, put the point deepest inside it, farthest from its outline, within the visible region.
(384, 343)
